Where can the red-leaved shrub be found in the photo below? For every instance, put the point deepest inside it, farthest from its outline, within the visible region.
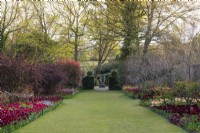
(72, 71)
(16, 74)
(53, 78)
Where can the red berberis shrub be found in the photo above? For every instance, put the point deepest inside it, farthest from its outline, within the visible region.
(15, 74)
(53, 78)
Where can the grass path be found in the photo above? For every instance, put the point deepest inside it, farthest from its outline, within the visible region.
(100, 112)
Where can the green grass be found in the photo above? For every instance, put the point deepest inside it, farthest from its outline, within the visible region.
(100, 112)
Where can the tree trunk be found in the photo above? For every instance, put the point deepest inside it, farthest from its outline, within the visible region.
(98, 70)
(2, 40)
(146, 45)
(76, 41)
(76, 52)
(76, 48)
(1, 43)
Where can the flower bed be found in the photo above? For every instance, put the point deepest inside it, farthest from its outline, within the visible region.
(132, 92)
(16, 115)
(137, 93)
(180, 105)
(185, 116)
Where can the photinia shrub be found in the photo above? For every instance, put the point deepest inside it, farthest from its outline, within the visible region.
(72, 71)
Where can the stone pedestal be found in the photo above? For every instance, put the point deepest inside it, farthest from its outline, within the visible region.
(102, 86)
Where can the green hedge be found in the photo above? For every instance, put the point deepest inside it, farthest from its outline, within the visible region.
(114, 83)
(107, 79)
(88, 83)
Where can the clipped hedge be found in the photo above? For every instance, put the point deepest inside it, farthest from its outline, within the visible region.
(113, 83)
(88, 83)
(107, 79)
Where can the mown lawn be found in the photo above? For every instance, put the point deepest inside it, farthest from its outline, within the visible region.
(100, 112)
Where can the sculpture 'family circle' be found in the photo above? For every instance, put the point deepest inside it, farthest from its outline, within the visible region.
(102, 80)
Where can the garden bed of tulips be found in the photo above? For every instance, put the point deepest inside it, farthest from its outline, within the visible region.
(16, 115)
(185, 116)
(136, 93)
(179, 105)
